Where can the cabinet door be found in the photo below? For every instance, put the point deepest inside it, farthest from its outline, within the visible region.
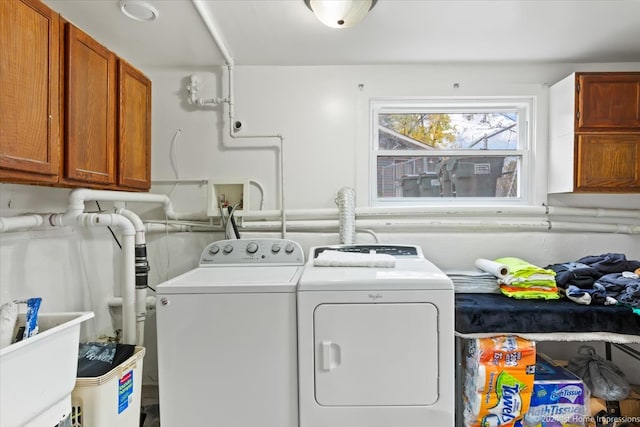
(90, 141)
(608, 163)
(29, 93)
(608, 100)
(134, 127)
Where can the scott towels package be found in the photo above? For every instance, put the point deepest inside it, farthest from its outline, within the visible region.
(559, 397)
(499, 373)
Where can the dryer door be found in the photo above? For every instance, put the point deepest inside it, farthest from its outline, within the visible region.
(376, 354)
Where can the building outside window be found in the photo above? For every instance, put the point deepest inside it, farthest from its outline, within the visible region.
(462, 150)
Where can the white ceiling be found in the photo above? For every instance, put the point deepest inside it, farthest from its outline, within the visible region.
(285, 32)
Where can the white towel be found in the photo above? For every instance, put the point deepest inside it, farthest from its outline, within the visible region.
(350, 259)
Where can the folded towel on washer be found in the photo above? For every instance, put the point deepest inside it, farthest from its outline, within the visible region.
(350, 259)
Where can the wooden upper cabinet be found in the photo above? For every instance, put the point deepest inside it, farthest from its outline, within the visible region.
(608, 162)
(134, 127)
(594, 133)
(90, 110)
(29, 92)
(608, 100)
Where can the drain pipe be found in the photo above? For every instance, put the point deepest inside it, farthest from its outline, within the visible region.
(17, 222)
(142, 272)
(201, 9)
(127, 270)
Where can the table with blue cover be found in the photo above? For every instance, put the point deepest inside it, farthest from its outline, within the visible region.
(482, 315)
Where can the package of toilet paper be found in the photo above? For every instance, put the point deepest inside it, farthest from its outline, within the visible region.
(559, 397)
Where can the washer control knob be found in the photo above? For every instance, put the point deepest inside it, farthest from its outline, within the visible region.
(289, 248)
(227, 249)
(214, 249)
(275, 248)
(252, 247)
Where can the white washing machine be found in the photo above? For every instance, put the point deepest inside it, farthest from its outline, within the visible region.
(227, 337)
(376, 344)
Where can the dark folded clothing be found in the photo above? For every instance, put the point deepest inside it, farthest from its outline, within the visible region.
(574, 273)
(610, 263)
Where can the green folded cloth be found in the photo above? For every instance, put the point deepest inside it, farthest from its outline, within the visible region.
(521, 268)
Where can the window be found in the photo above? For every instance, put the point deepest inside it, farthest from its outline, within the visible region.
(472, 150)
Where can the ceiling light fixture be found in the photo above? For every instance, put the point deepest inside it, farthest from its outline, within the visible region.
(340, 13)
(138, 10)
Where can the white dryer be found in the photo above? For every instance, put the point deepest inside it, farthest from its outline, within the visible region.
(227, 337)
(376, 344)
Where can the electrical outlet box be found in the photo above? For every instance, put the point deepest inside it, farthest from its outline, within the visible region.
(223, 193)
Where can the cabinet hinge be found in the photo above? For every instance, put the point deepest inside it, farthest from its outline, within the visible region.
(577, 87)
(577, 115)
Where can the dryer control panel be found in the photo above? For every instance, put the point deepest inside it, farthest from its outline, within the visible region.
(252, 251)
(393, 250)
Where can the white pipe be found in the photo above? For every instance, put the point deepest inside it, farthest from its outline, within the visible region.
(466, 225)
(127, 270)
(200, 7)
(163, 227)
(598, 228)
(140, 308)
(199, 4)
(137, 223)
(79, 196)
(117, 302)
(381, 212)
(180, 181)
(595, 212)
(141, 291)
(18, 222)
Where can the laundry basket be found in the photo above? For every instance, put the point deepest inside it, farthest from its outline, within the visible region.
(112, 399)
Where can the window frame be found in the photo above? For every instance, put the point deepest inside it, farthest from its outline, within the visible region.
(524, 105)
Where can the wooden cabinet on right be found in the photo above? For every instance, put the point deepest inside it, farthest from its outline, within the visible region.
(107, 118)
(594, 133)
(134, 125)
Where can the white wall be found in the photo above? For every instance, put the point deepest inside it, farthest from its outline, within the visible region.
(323, 116)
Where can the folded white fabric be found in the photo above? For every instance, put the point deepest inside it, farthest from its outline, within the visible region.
(330, 258)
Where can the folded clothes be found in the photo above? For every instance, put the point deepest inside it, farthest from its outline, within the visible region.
(521, 268)
(574, 274)
(527, 281)
(348, 259)
(551, 293)
(610, 263)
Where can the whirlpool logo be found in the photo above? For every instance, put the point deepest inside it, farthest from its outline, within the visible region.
(375, 297)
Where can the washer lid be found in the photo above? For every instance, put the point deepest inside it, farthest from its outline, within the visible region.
(252, 279)
(408, 274)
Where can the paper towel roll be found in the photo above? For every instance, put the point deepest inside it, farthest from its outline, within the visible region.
(495, 268)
